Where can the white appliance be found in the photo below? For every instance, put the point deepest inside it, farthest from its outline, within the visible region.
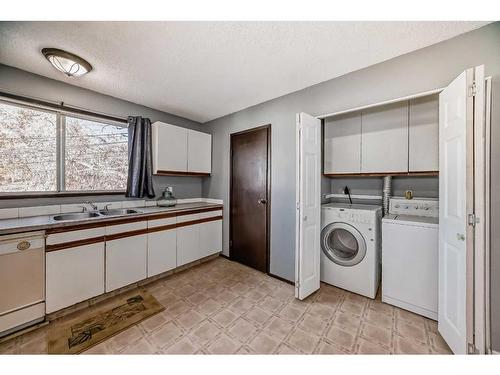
(22, 280)
(410, 255)
(350, 247)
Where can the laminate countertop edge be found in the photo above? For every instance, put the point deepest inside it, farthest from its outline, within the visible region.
(45, 222)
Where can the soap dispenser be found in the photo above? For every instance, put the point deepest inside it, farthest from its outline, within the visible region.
(167, 198)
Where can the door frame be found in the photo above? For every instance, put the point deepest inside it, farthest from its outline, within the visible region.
(268, 192)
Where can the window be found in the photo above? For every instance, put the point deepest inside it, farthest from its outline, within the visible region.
(45, 151)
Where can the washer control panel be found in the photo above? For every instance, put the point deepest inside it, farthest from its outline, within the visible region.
(428, 207)
(352, 216)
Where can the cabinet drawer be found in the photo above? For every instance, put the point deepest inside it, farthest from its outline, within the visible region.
(206, 215)
(57, 238)
(161, 222)
(185, 218)
(129, 227)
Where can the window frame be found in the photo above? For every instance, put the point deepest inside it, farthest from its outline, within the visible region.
(60, 154)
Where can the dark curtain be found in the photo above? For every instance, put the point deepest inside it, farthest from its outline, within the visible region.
(140, 158)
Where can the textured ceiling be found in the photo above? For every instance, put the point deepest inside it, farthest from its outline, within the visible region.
(205, 70)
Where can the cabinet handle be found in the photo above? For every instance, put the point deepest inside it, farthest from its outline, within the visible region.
(460, 237)
(23, 245)
(262, 201)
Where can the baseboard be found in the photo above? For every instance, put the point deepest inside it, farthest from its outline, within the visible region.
(224, 256)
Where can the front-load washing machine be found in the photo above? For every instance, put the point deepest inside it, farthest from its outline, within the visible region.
(350, 247)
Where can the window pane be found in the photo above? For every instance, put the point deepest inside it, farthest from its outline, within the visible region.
(96, 155)
(27, 149)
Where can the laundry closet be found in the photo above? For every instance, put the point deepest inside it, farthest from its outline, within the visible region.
(390, 204)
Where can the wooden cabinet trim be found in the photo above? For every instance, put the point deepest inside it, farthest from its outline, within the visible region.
(77, 243)
(199, 221)
(132, 233)
(199, 210)
(162, 228)
(180, 173)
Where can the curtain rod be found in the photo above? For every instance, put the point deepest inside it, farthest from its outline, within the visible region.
(60, 106)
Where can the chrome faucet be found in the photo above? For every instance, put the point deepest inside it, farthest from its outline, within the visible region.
(91, 204)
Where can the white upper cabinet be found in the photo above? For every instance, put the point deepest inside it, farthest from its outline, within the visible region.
(342, 146)
(424, 134)
(384, 139)
(170, 148)
(178, 151)
(199, 152)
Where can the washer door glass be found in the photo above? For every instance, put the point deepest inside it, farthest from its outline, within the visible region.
(343, 244)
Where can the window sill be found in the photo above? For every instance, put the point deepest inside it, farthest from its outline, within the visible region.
(59, 194)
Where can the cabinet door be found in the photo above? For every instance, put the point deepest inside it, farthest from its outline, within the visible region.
(162, 247)
(188, 239)
(199, 152)
(126, 257)
(424, 134)
(211, 237)
(384, 139)
(74, 275)
(342, 147)
(170, 145)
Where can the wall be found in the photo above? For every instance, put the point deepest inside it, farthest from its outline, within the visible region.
(426, 69)
(423, 187)
(27, 84)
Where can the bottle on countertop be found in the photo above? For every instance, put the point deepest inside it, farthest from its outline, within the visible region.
(167, 198)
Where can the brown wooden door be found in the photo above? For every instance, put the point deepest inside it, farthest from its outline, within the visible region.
(249, 200)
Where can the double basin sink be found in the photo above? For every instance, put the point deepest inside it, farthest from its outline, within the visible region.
(94, 214)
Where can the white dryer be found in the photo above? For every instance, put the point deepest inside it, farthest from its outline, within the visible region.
(350, 247)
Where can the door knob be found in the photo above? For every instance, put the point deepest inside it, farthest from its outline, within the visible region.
(262, 201)
(460, 237)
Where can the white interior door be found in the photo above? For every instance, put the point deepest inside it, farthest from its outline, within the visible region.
(308, 216)
(455, 122)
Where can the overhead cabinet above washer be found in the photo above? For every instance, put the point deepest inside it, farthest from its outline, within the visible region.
(397, 138)
(384, 139)
(343, 144)
(180, 151)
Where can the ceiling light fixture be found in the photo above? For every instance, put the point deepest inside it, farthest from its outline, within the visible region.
(68, 63)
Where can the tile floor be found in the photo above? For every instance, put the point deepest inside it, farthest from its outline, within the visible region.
(222, 307)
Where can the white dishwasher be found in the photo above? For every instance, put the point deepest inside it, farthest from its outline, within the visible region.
(22, 280)
(410, 255)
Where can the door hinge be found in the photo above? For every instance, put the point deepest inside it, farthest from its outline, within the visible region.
(472, 219)
(298, 205)
(471, 349)
(472, 89)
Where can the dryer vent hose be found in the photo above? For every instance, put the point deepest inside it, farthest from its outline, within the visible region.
(386, 194)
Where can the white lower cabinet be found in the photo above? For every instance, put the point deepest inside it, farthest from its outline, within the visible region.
(126, 258)
(74, 275)
(128, 253)
(188, 244)
(210, 237)
(162, 247)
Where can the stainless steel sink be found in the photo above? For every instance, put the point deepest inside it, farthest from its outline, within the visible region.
(118, 211)
(76, 216)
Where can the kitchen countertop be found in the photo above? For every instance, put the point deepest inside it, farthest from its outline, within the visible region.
(34, 223)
